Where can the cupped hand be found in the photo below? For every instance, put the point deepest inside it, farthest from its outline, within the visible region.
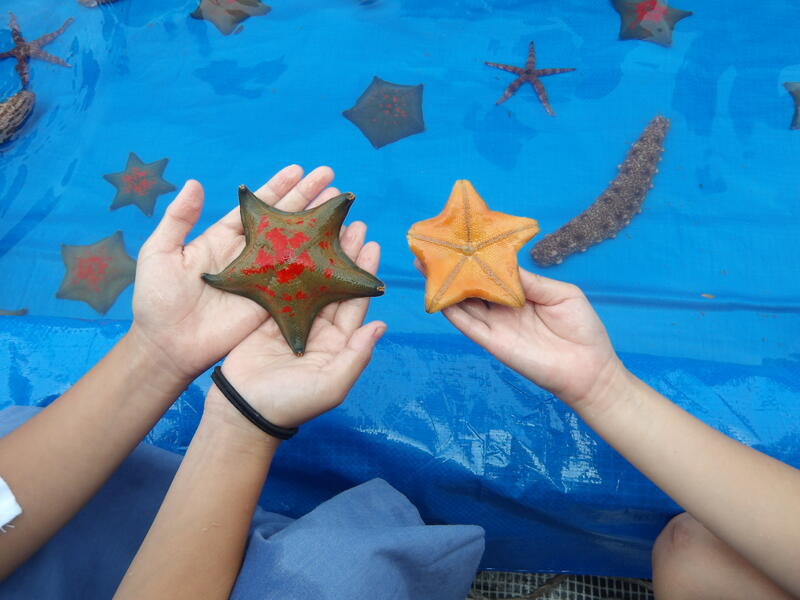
(556, 339)
(289, 390)
(187, 323)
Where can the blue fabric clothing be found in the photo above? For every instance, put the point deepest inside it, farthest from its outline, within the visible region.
(365, 543)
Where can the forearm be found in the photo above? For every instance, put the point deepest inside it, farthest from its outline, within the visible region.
(721, 482)
(195, 546)
(56, 462)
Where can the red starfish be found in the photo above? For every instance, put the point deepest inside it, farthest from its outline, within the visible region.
(23, 50)
(530, 75)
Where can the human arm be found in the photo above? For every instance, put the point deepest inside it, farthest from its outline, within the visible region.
(746, 498)
(56, 462)
(196, 543)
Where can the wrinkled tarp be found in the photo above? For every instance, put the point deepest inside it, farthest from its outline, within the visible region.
(466, 439)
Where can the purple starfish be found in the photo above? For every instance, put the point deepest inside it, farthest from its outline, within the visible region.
(23, 50)
(531, 75)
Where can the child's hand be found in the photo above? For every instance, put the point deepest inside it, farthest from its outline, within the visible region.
(289, 390)
(186, 323)
(556, 339)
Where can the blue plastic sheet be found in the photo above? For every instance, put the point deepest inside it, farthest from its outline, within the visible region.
(467, 440)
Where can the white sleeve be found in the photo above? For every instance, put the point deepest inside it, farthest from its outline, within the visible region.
(9, 509)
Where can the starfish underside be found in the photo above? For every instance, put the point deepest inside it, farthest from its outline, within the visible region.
(469, 251)
(139, 184)
(528, 74)
(293, 265)
(24, 50)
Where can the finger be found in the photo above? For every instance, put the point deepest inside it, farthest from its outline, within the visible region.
(548, 292)
(353, 239)
(348, 364)
(350, 314)
(471, 327)
(269, 193)
(281, 184)
(178, 220)
(477, 309)
(323, 196)
(419, 266)
(304, 192)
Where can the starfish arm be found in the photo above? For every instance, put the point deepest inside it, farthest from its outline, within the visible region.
(515, 85)
(23, 71)
(509, 68)
(157, 168)
(49, 37)
(546, 72)
(542, 94)
(531, 62)
(251, 209)
(673, 15)
(7, 54)
(163, 187)
(16, 35)
(134, 161)
(47, 57)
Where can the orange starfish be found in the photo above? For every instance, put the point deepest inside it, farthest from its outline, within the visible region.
(469, 251)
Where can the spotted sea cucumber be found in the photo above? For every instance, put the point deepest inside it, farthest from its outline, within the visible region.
(615, 207)
(13, 112)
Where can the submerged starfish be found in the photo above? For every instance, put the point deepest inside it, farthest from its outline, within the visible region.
(387, 112)
(228, 14)
(469, 251)
(292, 264)
(648, 20)
(531, 75)
(23, 50)
(139, 184)
(793, 87)
(97, 273)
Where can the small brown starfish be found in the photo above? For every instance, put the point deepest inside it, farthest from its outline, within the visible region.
(23, 50)
(531, 75)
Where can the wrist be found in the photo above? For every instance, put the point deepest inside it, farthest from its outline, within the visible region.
(144, 356)
(611, 388)
(232, 425)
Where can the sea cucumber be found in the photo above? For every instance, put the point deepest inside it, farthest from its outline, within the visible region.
(13, 112)
(615, 207)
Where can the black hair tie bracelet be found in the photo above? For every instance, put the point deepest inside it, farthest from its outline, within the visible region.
(252, 415)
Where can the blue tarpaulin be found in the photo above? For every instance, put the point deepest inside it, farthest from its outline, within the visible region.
(700, 294)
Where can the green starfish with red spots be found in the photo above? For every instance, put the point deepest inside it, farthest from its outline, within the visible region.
(140, 184)
(292, 264)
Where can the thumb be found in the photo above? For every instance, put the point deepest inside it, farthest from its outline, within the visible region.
(178, 220)
(354, 358)
(548, 292)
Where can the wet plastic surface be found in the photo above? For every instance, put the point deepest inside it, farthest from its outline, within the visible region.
(701, 293)
(467, 440)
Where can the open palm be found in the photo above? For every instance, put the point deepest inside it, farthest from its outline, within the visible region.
(556, 339)
(189, 323)
(289, 390)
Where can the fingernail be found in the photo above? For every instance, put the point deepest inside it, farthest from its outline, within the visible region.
(378, 332)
